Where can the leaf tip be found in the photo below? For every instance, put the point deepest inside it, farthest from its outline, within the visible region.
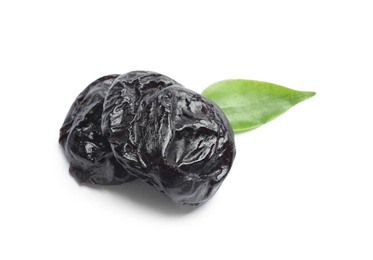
(309, 94)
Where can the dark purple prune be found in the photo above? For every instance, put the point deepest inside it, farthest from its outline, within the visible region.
(88, 151)
(172, 138)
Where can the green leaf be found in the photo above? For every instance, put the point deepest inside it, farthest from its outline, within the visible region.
(250, 103)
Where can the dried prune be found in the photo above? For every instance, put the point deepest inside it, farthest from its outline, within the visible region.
(146, 125)
(87, 150)
(172, 138)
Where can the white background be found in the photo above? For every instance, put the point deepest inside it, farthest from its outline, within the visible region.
(301, 186)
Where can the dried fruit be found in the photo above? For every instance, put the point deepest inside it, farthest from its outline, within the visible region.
(89, 153)
(146, 125)
(172, 138)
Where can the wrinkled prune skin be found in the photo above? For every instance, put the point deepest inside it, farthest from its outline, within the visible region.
(87, 150)
(124, 103)
(170, 137)
(127, 94)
